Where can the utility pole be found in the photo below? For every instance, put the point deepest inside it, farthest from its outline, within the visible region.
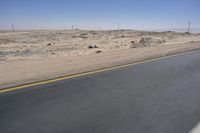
(189, 24)
(13, 27)
(72, 27)
(118, 26)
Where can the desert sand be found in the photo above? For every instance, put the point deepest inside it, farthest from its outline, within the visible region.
(42, 44)
(30, 56)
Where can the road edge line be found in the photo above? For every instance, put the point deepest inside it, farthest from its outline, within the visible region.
(91, 72)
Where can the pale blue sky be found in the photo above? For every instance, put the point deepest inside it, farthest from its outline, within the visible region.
(90, 14)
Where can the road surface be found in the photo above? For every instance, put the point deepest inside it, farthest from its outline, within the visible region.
(161, 96)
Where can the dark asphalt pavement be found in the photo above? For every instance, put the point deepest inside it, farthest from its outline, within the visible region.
(161, 96)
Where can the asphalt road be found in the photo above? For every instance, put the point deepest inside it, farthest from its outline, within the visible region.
(161, 96)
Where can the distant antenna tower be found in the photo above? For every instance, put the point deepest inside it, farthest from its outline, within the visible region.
(189, 24)
(13, 27)
(72, 27)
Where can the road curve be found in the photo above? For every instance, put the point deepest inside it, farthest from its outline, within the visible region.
(161, 96)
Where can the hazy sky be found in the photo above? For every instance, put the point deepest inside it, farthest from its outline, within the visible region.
(135, 14)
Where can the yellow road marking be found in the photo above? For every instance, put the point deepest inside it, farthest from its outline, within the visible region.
(88, 73)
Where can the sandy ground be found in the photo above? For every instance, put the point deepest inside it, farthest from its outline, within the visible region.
(44, 44)
(30, 56)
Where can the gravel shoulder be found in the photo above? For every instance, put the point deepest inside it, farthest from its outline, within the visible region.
(17, 72)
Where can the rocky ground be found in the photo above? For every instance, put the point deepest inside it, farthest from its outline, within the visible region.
(52, 43)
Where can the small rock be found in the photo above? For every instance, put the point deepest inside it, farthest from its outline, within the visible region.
(49, 44)
(132, 42)
(95, 46)
(99, 51)
(146, 40)
(92, 46)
